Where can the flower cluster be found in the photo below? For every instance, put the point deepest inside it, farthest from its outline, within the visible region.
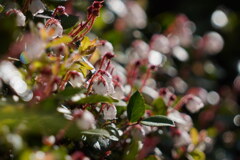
(82, 99)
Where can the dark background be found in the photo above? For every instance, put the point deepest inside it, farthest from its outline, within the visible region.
(199, 11)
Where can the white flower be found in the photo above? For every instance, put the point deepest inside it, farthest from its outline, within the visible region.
(36, 6)
(105, 47)
(102, 83)
(54, 25)
(119, 92)
(33, 50)
(77, 79)
(109, 112)
(86, 120)
(182, 139)
(100, 86)
(194, 104)
(20, 17)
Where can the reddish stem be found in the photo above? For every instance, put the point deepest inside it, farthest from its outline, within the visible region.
(148, 74)
(182, 101)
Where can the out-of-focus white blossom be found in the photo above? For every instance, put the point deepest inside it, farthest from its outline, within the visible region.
(137, 132)
(212, 42)
(152, 93)
(33, 50)
(109, 112)
(36, 6)
(188, 123)
(160, 43)
(118, 7)
(139, 50)
(219, 19)
(136, 16)
(11, 76)
(181, 31)
(182, 139)
(179, 84)
(86, 120)
(20, 17)
(180, 53)
(156, 58)
(194, 104)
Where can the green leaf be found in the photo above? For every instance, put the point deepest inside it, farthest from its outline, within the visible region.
(69, 92)
(51, 103)
(8, 33)
(68, 21)
(152, 157)
(57, 41)
(135, 107)
(99, 132)
(96, 99)
(1, 8)
(198, 155)
(159, 106)
(132, 151)
(158, 121)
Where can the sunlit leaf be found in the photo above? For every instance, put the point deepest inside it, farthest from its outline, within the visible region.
(198, 155)
(87, 46)
(194, 135)
(64, 39)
